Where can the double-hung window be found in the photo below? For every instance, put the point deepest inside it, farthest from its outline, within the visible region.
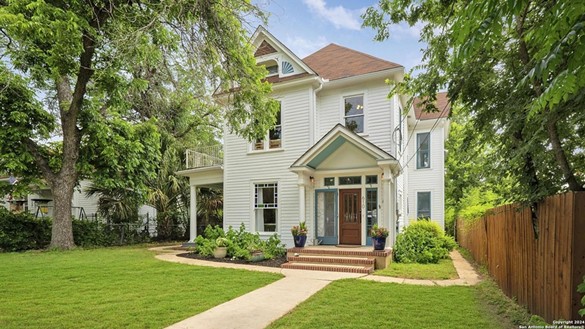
(353, 107)
(273, 139)
(266, 206)
(423, 205)
(423, 153)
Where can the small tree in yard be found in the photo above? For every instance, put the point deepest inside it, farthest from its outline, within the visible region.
(78, 77)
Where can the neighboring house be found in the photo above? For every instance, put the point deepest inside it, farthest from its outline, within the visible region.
(40, 203)
(342, 155)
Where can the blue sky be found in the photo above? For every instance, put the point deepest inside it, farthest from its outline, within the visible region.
(305, 26)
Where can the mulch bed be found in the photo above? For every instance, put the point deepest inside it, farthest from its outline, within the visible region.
(267, 262)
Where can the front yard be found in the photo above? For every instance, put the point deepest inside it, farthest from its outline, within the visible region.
(365, 304)
(443, 270)
(111, 288)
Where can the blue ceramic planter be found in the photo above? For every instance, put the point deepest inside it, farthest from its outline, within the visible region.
(300, 240)
(379, 243)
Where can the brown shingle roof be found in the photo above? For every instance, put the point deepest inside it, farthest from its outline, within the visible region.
(443, 106)
(336, 62)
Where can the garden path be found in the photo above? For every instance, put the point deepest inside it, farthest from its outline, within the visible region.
(261, 307)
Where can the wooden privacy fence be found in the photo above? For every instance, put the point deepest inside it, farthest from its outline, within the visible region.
(543, 274)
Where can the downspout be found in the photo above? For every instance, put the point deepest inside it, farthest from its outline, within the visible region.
(314, 107)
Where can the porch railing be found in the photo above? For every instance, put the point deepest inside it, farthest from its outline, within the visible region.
(206, 156)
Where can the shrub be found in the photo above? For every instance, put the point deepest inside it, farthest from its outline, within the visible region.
(22, 231)
(92, 233)
(422, 242)
(240, 243)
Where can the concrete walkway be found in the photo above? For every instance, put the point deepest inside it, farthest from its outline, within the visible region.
(467, 275)
(261, 307)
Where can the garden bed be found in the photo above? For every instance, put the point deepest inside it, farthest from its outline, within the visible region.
(276, 262)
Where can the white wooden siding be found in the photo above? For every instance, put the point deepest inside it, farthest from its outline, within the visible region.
(428, 179)
(378, 109)
(243, 168)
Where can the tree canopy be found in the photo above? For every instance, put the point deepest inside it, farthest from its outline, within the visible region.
(86, 85)
(515, 68)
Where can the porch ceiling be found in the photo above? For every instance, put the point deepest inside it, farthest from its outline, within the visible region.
(205, 176)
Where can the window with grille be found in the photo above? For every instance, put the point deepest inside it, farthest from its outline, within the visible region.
(266, 206)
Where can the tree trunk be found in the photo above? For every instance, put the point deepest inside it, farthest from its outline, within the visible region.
(561, 157)
(551, 126)
(62, 232)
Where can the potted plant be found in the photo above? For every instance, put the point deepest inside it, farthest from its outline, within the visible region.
(220, 247)
(300, 234)
(256, 253)
(379, 235)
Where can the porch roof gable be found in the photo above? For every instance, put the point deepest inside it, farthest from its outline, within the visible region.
(332, 141)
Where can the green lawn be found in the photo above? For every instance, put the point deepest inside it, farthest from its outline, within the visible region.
(111, 288)
(365, 304)
(441, 271)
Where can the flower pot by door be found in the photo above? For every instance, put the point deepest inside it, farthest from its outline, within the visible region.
(300, 240)
(379, 243)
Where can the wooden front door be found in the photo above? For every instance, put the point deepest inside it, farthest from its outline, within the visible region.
(350, 216)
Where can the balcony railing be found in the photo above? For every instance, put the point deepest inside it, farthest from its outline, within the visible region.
(204, 156)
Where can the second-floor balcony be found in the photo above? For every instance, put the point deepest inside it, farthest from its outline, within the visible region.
(207, 156)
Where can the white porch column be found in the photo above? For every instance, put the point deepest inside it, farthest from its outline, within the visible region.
(193, 215)
(302, 206)
(392, 209)
(386, 205)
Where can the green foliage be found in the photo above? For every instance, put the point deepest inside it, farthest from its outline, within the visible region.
(221, 242)
(23, 231)
(505, 65)
(422, 242)
(379, 232)
(115, 77)
(581, 289)
(240, 243)
(300, 230)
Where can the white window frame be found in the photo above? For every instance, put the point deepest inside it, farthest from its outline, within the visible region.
(365, 105)
(418, 153)
(265, 142)
(256, 206)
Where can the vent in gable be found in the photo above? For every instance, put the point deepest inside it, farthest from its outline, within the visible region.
(287, 68)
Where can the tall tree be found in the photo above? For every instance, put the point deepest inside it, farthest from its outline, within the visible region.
(77, 64)
(505, 63)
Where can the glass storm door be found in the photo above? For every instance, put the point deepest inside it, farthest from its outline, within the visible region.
(350, 216)
(326, 216)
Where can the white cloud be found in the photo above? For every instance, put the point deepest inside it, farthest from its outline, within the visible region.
(340, 17)
(404, 31)
(303, 47)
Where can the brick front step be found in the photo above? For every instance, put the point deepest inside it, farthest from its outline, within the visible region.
(341, 252)
(332, 260)
(328, 267)
(319, 256)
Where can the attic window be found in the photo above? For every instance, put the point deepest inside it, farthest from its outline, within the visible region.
(271, 66)
(272, 70)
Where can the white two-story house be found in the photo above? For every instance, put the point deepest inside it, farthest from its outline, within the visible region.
(342, 156)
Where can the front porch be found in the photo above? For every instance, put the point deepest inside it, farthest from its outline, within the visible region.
(204, 167)
(358, 259)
